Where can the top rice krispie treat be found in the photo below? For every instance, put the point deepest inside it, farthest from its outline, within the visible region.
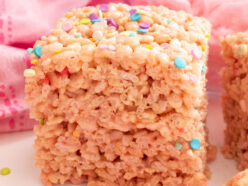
(120, 95)
(240, 179)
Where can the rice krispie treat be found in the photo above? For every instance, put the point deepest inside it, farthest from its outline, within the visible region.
(120, 96)
(240, 179)
(235, 97)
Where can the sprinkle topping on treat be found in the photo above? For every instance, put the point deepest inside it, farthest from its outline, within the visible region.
(102, 46)
(203, 69)
(195, 144)
(193, 78)
(135, 17)
(57, 51)
(132, 34)
(96, 20)
(111, 47)
(97, 35)
(29, 73)
(148, 47)
(196, 53)
(64, 72)
(243, 49)
(5, 171)
(203, 48)
(30, 51)
(144, 25)
(112, 22)
(37, 51)
(207, 36)
(93, 16)
(165, 45)
(180, 63)
(77, 34)
(178, 145)
(35, 61)
(132, 11)
(169, 21)
(85, 21)
(142, 30)
(45, 80)
(42, 121)
(67, 26)
(104, 7)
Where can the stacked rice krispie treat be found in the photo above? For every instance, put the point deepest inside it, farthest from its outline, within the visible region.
(235, 97)
(120, 96)
(240, 179)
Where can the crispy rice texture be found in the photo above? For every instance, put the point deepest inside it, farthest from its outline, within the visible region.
(113, 116)
(240, 179)
(235, 97)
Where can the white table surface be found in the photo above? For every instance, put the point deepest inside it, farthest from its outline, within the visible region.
(16, 152)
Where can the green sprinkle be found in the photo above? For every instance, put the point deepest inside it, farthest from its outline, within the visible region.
(42, 121)
(5, 171)
(203, 124)
(77, 34)
(132, 34)
(178, 145)
(30, 51)
(96, 20)
(240, 52)
(169, 21)
(203, 69)
(135, 17)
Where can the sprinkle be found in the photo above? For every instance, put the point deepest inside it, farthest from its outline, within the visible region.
(148, 47)
(85, 21)
(96, 20)
(104, 7)
(33, 62)
(97, 35)
(30, 51)
(102, 46)
(243, 49)
(42, 121)
(196, 53)
(142, 30)
(180, 63)
(203, 69)
(132, 11)
(76, 24)
(135, 17)
(112, 22)
(101, 14)
(45, 80)
(169, 21)
(111, 47)
(67, 26)
(64, 72)
(77, 34)
(75, 133)
(178, 145)
(195, 144)
(132, 34)
(142, 12)
(37, 51)
(203, 124)
(193, 78)
(91, 39)
(181, 130)
(203, 48)
(239, 51)
(110, 31)
(57, 51)
(29, 73)
(144, 25)
(207, 36)
(165, 45)
(5, 171)
(93, 16)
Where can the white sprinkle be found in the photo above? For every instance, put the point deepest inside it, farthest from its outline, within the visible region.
(193, 78)
(29, 73)
(97, 35)
(111, 47)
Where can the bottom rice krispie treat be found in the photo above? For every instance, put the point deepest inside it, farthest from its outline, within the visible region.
(240, 179)
(120, 95)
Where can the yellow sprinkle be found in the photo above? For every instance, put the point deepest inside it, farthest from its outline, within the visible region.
(103, 14)
(85, 21)
(57, 51)
(142, 12)
(148, 47)
(235, 34)
(34, 61)
(203, 48)
(29, 73)
(75, 134)
(208, 36)
(110, 31)
(91, 39)
(76, 24)
(243, 48)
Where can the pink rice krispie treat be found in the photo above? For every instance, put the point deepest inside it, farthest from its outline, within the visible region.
(235, 97)
(240, 179)
(120, 95)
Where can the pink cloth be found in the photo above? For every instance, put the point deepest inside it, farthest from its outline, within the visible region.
(23, 22)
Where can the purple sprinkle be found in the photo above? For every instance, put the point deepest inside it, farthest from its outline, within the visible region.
(144, 25)
(133, 11)
(104, 7)
(93, 16)
(112, 22)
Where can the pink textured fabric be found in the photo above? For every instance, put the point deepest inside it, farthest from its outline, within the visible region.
(23, 22)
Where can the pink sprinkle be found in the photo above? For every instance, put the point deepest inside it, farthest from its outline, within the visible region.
(7, 102)
(111, 47)
(102, 46)
(12, 123)
(165, 45)
(67, 26)
(2, 94)
(2, 86)
(193, 78)
(196, 53)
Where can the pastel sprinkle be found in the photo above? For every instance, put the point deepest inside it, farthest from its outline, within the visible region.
(5, 171)
(135, 17)
(93, 16)
(37, 51)
(97, 35)
(165, 45)
(132, 34)
(207, 36)
(243, 48)
(85, 21)
(144, 25)
(77, 34)
(30, 51)
(111, 47)
(142, 12)
(180, 63)
(29, 73)
(112, 22)
(67, 26)
(96, 20)
(132, 11)
(42, 121)
(195, 144)
(102, 46)
(178, 145)
(239, 51)
(104, 7)
(33, 62)
(169, 21)
(193, 78)
(203, 124)
(196, 53)
(203, 48)
(142, 30)
(148, 47)
(57, 51)
(203, 69)
(91, 39)
(75, 133)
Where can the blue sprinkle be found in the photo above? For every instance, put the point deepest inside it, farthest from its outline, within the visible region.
(169, 21)
(240, 52)
(203, 69)
(30, 51)
(180, 63)
(37, 51)
(96, 20)
(142, 30)
(135, 17)
(195, 144)
(77, 34)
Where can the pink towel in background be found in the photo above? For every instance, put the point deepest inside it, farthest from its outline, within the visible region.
(23, 22)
